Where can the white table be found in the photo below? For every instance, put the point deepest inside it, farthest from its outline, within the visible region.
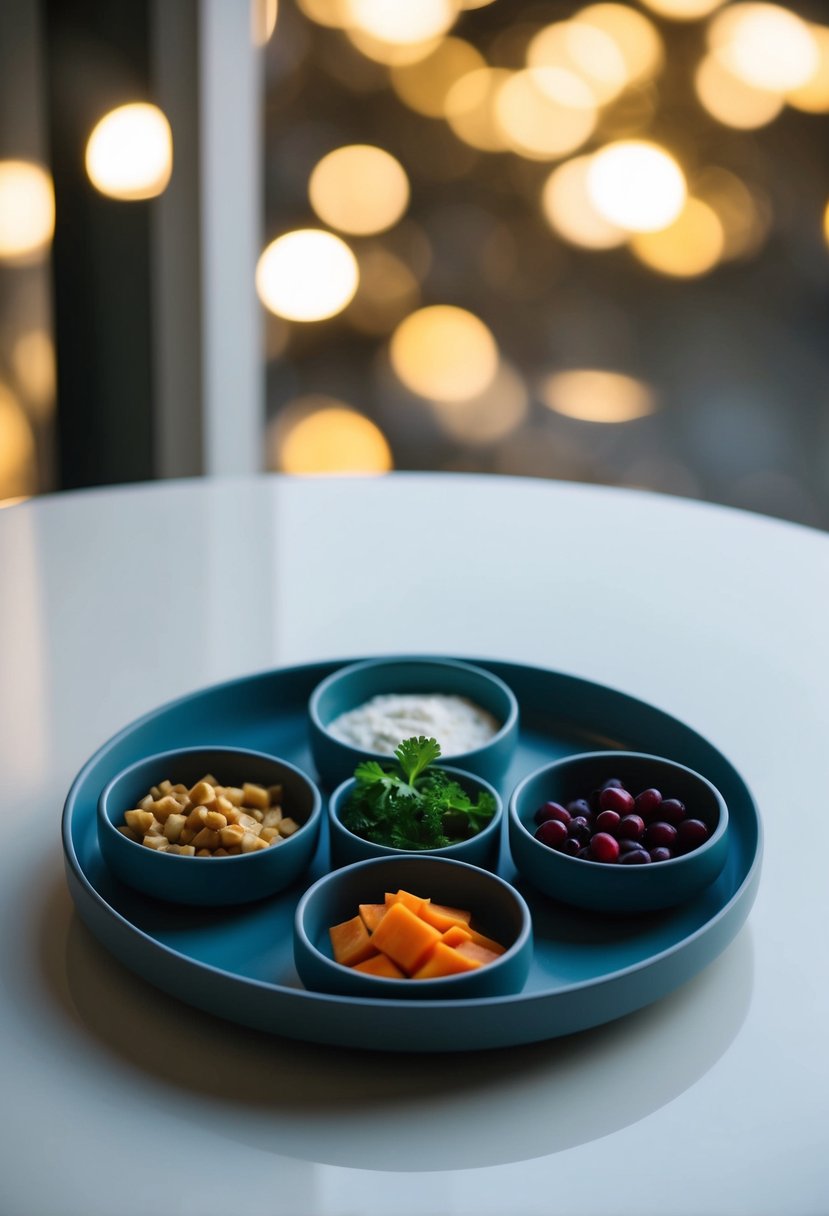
(119, 1101)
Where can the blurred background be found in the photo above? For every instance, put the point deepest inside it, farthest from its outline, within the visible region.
(588, 243)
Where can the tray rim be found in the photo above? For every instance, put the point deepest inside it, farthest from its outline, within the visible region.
(301, 995)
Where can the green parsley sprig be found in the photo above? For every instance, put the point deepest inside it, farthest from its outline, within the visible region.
(414, 806)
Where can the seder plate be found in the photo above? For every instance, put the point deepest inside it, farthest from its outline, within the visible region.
(237, 963)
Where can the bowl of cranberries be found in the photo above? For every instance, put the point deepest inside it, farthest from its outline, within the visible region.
(618, 831)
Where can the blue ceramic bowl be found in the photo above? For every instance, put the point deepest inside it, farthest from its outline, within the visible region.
(497, 910)
(617, 888)
(203, 880)
(357, 683)
(480, 850)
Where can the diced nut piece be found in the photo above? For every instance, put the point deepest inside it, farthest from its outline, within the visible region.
(155, 792)
(182, 798)
(275, 794)
(203, 794)
(220, 853)
(197, 817)
(178, 788)
(255, 795)
(233, 794)
(186, 850)
(165, 786)
(215, 820)
(232, 834)
(234, 850)
(206, 839)
(139, 821)
(272, 817)
(146, 803)
(159, 843)
(287, 827)
(168, 805)
(251, 843)
(186, 834)
(258, 814)
(210, 779)
(249, 823)
(128, 832)
(269, 834)
(173, 826)
(202, 852)
(223, 804)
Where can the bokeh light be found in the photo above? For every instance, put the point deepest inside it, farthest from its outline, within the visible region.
(33, 362)
(689, 247)
(402, 21)
(491, 415)
(318, 434)
(27, 210)
(826, 224)
(263, 14)
(683, 10)
(730, 100)
(390, 54)
(444, 353)
(471, 109)
(359, 189)
(636, 185)
(388, 292)
(424, 85)
(764, 45)
(585, 49)
(129, 154)
(306, 275)
(597, 396)
(333, 14)
(633, 33)
(813, 95)
(744, 214)
(545, 112)
(569, 209)
(17, 448)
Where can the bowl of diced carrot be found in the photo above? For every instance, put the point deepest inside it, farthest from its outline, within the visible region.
(410, 928)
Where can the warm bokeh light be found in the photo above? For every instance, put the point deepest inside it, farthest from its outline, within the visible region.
(745, 215)
(633, 33)
(27, 210)
(402, 21)
(491, 415)
(390, 54)
(424, 86)
(730, 100)
(585, 49)
(33, 362)
(263, 14)
(570, 212)
(17, 448)
(597, 396)
(689, 247)
(545, 112)
(129, 154)
(388, 292)
(813, 95)
(826, 224)
(331, 13)
(444, 353)
(471, 108)
(359, 189)
(764, 45)
(306, 275)
(322, 435)
(636, 185)
(683, 10)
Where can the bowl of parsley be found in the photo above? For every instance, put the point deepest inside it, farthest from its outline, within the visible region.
(414, 806)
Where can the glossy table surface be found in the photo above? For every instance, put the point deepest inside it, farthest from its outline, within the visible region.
(117, 1100)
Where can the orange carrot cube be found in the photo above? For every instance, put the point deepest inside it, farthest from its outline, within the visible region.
(456, 935)
(372, 914)
(404, 937)
(350, 942)
(486, 942)
(444, 917)
(444, 960)
(472, 951)
(413, 902)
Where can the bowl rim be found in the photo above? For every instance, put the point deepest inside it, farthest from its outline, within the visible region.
(441, 984)
(260, 854)
(449, 850)
(674, 863)
(508, 726)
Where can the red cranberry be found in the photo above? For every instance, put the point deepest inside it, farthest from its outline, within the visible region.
(552, 832)
(691, 833)
(570, 846)
(672, 810)
(631, 827)
(615, 799)
(627, 846)
(608, 821)
(661, 853)
(604, 847)
(580, 829)
(636, 857)
(647, 803)
(552, 810)
(660, 833)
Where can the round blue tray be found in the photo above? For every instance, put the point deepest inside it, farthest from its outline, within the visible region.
(238, 963)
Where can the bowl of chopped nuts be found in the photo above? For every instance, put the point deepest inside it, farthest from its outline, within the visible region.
(164, 817)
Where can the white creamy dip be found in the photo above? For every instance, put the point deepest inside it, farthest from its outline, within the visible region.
(378, 726)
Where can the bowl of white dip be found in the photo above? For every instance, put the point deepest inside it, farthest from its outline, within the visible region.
(365, 709)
